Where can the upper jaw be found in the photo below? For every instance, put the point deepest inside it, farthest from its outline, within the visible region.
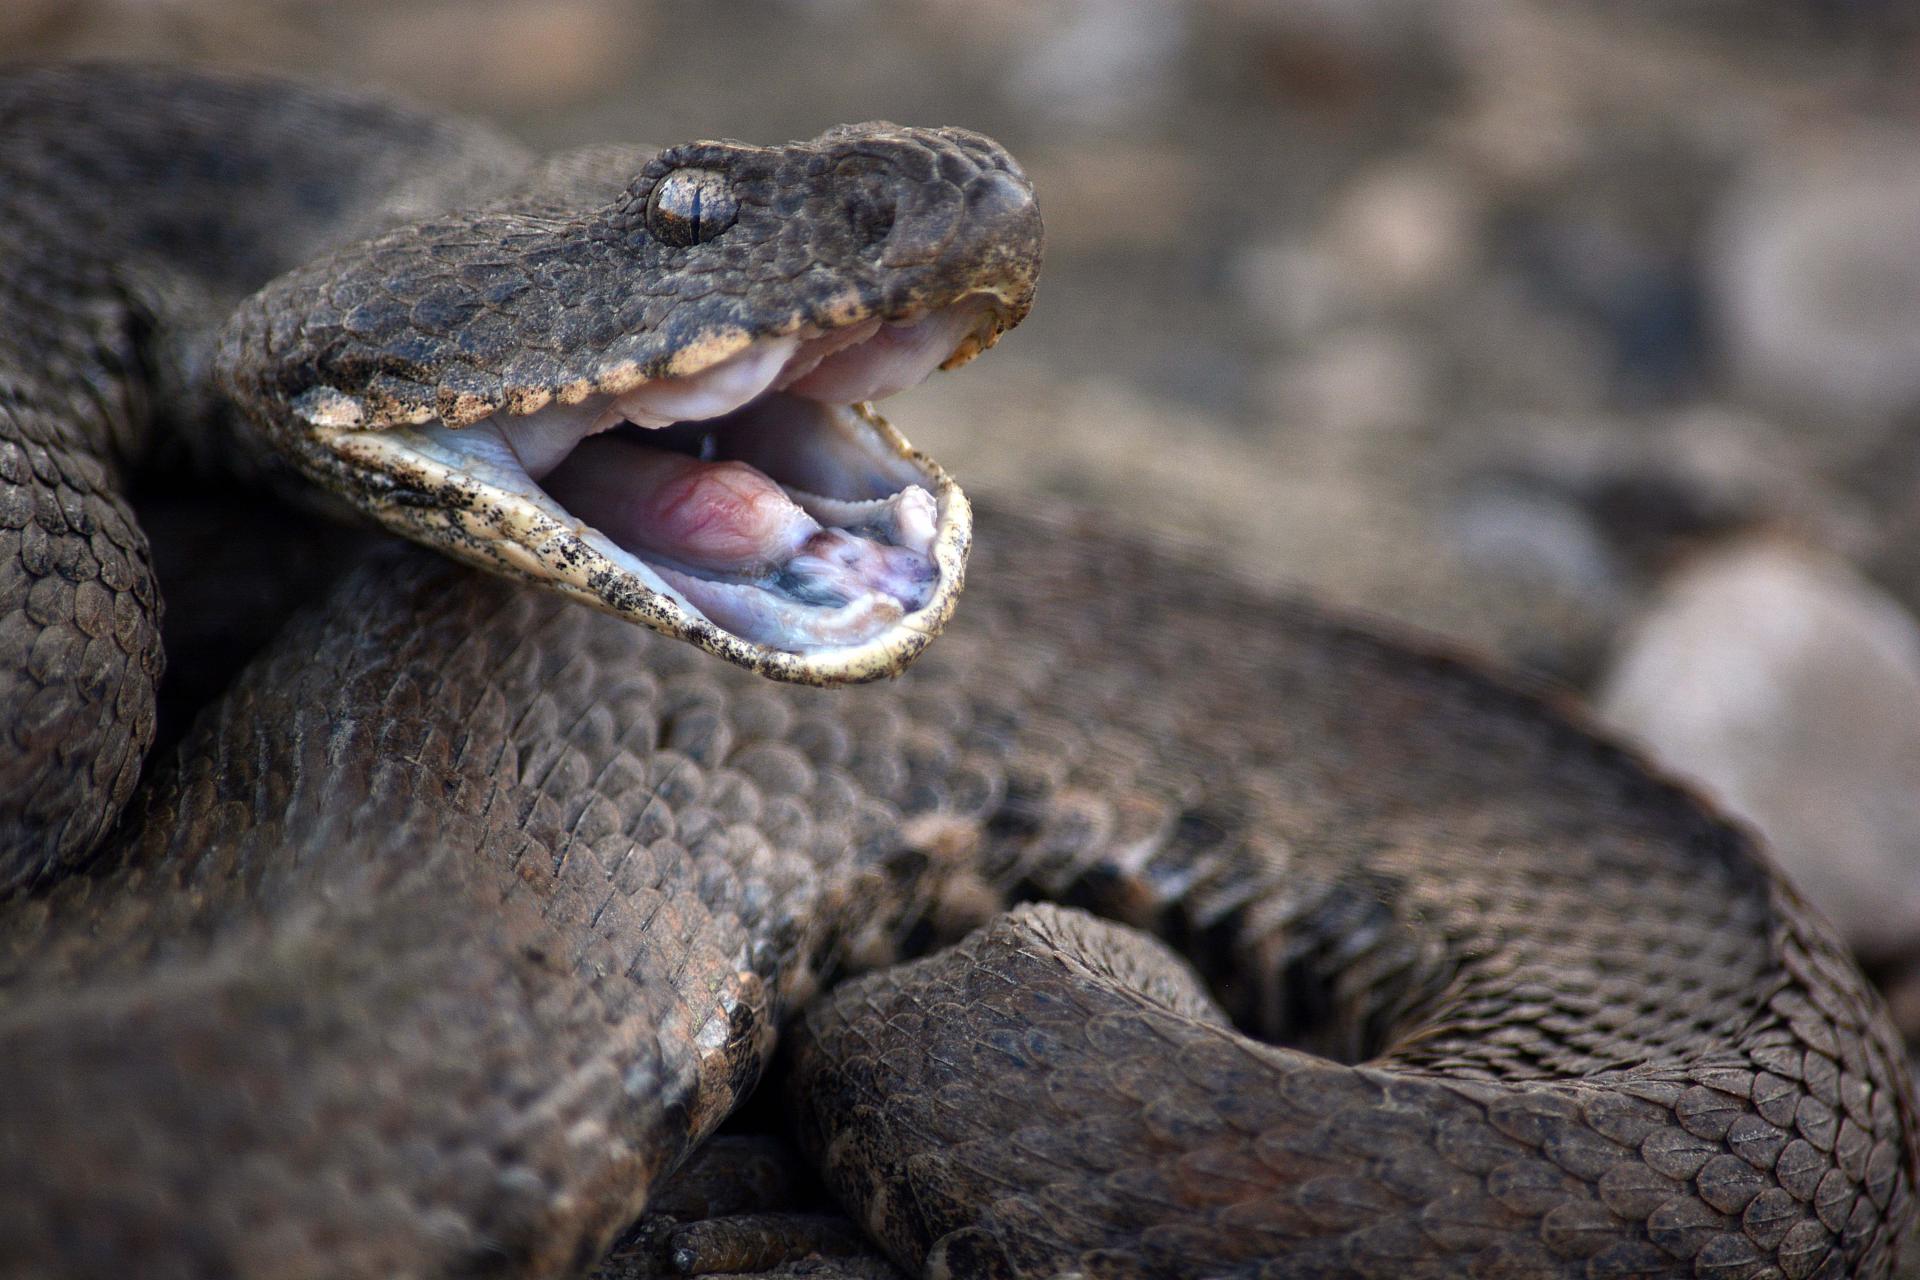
(757, 507)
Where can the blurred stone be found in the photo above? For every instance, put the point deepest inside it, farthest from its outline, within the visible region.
(1352, 386)
(1518, 533)
(1331, 55)
(493, 57)
(1513, 351)
(1539, 563)
(1403, 229)
(499, 54)
(1277, 509)
(1291, 287)
(1520, 124)
(1636, 285)
(1789, 688)
(1095, 63)
(1401, 232)
(1747, 458)
(1751, 471)
(1117, 196)
(1654, 487)
(1816, 279)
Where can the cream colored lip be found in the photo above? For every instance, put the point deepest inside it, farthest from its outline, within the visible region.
(489, 513)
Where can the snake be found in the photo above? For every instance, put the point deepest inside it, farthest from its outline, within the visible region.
(1252, 939)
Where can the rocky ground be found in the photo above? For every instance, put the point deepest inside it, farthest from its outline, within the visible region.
(1588, 334)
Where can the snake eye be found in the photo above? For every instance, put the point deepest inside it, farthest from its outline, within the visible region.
(690, 206)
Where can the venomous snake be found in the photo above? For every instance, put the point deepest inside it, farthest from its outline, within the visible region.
(465, 913)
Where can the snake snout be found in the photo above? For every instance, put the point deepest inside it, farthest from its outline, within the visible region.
(948, 203)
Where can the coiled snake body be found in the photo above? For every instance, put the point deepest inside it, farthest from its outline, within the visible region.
(466, 912)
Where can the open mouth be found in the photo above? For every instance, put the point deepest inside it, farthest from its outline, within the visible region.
(758, 507)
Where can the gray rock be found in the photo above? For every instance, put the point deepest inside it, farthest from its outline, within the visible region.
(1352, 387)
(1815, 279)
(1093, 63)
(1655, 486)
(1528, 534)
(1789, 688)
(1404, 228)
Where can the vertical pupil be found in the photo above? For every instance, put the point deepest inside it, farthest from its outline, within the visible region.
(688, 206)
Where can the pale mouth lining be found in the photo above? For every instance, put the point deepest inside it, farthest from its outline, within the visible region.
(760, 495)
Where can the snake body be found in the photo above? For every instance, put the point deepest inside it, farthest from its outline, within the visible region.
(466, 913)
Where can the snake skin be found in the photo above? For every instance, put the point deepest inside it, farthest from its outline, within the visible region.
(137, 206)
(466, 913)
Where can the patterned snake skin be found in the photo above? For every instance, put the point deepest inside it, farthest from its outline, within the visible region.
(466, 913)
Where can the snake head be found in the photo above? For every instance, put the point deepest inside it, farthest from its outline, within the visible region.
(654, 395)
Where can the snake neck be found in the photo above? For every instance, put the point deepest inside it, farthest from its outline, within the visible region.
(141, 204)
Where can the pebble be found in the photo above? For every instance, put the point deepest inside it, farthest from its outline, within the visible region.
(1815, 280)
(1291, 288)
(1517, 532)
(1656, 486)
(1352, 386)
(1399, 233)
(1403, 229)
(1093, 64)
(503, 54)
(1788, 687)
(1338, 57)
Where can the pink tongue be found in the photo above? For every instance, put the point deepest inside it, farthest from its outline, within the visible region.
(778, 577)
(706, 515)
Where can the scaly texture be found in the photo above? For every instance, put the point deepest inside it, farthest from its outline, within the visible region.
(137, 207)
(467, 913)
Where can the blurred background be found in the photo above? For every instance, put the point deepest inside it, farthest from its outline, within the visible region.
(1584, 333)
